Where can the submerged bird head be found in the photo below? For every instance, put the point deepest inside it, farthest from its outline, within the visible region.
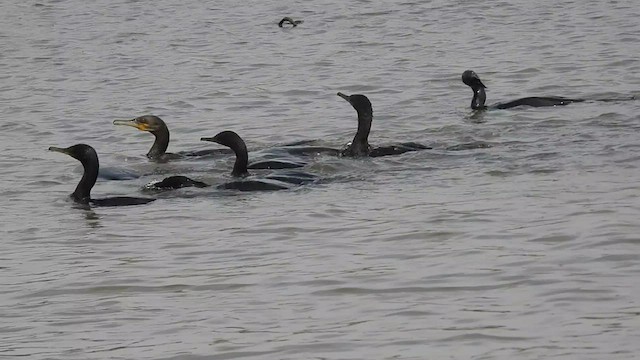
(150, 123)
(81, 152)
(471, 79)
(289, 20)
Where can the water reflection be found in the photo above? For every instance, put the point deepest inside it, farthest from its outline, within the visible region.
(91, 217)
(476, 117)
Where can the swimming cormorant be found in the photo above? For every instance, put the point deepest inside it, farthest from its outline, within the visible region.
(82, 194)
(159, 129)
(235, 143)
(240, 169)
(471, 79)
(360, 145)
(289, 20)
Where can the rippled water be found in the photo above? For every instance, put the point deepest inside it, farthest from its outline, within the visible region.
(527, 249)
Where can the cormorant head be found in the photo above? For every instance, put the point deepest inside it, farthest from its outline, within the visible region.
(150, 123)
(359, 102)
(227, 138)
(234, 141)
(80, 152)
(471, 79)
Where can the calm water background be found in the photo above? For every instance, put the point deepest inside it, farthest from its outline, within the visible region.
(525, 250)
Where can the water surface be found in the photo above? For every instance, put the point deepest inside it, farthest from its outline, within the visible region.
(527, 249)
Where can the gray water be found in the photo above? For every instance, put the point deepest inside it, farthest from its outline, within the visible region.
(528, 249)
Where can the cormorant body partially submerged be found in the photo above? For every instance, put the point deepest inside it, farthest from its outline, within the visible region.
(289, 20)
(471, 79)
(177, 182)
(360, 147)
(82, 194)
(240, 169)
(159, 129)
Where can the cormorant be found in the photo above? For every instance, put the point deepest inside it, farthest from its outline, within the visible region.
(82, 194)
(159, 129)
(289, 20)
(240, 169)
(360, 145)
(235, 143)
(471, 79)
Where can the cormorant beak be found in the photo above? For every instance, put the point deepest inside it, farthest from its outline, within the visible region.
(69, 151)
(134, 123)
(346, 97)
(211, 139)
(60, 150)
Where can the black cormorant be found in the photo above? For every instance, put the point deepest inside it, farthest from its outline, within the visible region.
(82, 194)
(289, 20)
(240, 169)
(360, 145)
(471, 79)
(271, 182)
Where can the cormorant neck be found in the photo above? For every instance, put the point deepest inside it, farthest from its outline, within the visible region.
(479, 98)
(360, 144)
(82, 194)
(160, 144)
(242, 159)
